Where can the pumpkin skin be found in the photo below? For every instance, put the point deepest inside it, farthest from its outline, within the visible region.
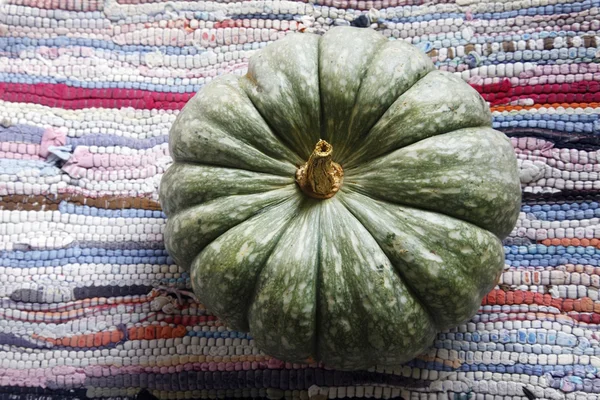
(406, 248)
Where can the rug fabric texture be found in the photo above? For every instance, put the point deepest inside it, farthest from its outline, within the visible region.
(92, 306)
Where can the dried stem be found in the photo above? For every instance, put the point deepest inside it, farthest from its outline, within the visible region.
(320, 177)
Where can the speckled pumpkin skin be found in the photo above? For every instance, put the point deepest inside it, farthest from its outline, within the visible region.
(408, 246)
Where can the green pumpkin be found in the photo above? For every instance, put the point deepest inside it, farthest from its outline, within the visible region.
(343, 202)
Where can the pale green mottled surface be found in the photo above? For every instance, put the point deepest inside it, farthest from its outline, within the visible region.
(437, 104)
(393, 70)
(225, 273)
(434, 253)
(189, 231)
(287, 93)
(283, 313)
(185, 185)
(469, 174)
(367, 315)
(220, 126)
(409, 245)
(343, 61)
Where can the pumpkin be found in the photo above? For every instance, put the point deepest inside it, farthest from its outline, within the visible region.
(343, 201)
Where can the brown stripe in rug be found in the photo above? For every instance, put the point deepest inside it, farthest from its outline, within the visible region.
(51, 202)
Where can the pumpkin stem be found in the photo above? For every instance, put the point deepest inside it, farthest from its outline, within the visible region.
(320, 177)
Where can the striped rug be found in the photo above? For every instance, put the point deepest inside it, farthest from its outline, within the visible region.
(92, 306)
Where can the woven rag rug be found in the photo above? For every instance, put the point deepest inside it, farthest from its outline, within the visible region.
(93, 307)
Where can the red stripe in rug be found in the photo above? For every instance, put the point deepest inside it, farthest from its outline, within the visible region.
(502, 93)
(500, 297)
(68, 97)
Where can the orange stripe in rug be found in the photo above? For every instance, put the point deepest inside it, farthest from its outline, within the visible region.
(538, 106)
(571, 242)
